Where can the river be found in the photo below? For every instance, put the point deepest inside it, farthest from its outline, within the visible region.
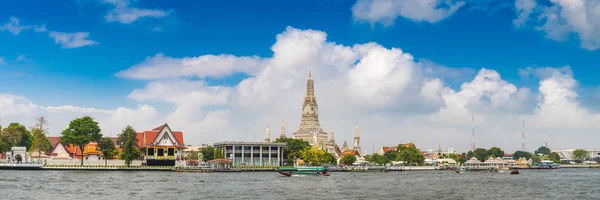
(530, 184)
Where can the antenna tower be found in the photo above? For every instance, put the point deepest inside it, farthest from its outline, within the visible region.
(524, 147)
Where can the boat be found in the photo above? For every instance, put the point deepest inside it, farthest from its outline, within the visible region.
(192, 169)
(514, 170)
(490, 165)
(304, 171)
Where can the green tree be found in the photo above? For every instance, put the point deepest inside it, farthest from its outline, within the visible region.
(328, 158)
(193, 155)
(480, 154)
(496, 152)
(130, 152)
(411, 155)
(470, 154)
(219, 153)
(390, 156)
(554, 157)
(314, 155)
(463, 158)
(377, 159)
(580, 155)
(107, 147)
(293, 148)
(454, 157)
(80, 132)
(15, 135)
(39, 141)
(208, 153)
(543, 150)
(128, 133)
(522, 154)
(348, 159)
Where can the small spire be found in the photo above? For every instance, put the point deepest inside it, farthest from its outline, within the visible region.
(309, 74)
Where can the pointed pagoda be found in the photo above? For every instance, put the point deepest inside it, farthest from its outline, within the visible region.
(310, 128)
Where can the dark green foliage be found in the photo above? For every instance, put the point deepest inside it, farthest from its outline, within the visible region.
(543, 150)
(130, 152)
(208, 153)
(522, 154)
(293, 148)
(80, 132)
(348, 159)
(107, 147)
(128, 132)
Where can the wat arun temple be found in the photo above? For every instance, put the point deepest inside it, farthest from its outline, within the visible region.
(310, 128)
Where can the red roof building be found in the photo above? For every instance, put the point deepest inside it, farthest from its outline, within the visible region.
(161, 146)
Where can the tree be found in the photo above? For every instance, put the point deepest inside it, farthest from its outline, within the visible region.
(39, 141)
(314, 155)
(107, 147)
(522, 154)
(293, 148)
(411, 155)
(480, 154)
(193, 155)
(454, 156)
(496, 152)
(219, 153)
(597, 159)
(15, 135)
(390, 156)
(543, 150)
(80, 132)
(470, 154)
(554, 157)
(377, 159)
(128, 132)
(208, 153)
(130, 152)
(580, 155)
(348, 159)
(329, 159)
(463, 158)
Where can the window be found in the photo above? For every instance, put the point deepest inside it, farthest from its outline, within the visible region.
(151, 151)
(161, 152)
(171, 152)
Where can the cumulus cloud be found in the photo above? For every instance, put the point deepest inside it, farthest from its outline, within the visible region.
(125, 14)
(20, 109)
(72, 40)
(161, 66)
(559, 19)
(393, 97)
(386, 11)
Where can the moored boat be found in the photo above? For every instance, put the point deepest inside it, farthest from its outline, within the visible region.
(304, 171)
(514, 170)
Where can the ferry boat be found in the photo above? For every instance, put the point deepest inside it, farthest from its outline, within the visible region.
(548, 164)
(304, 171)
(490, 165)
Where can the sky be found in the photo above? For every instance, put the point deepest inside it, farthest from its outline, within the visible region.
(413, 70)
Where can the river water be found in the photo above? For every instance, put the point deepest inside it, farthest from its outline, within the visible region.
(530, 184)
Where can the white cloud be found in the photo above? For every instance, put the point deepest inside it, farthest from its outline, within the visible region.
(524, 9)
(39, 29)
(20, 109)
(391, 96)
(125, 14)
(14, 26)
(386, 11)
(561, 18)
(161, 66)
(157, 29)
(2, 61)
(72, 40)
(22, 57)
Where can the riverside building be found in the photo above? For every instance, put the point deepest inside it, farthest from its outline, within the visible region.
(161, 146)
(253, 153)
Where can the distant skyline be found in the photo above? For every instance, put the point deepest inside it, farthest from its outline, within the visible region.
(414, 70)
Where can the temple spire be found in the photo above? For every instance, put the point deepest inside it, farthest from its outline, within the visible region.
(331, 136)
(282, 130)
(356, 138)
(267, 135)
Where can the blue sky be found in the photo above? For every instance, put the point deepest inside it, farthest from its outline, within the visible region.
(474, 36)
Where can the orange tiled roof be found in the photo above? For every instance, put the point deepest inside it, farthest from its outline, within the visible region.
(386, 149)
(152, 134)
(350, 152)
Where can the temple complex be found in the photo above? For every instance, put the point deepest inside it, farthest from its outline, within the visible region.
(310, 128)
